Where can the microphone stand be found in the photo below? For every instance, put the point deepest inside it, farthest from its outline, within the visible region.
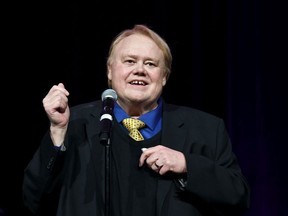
(105, 139)
(109, 96)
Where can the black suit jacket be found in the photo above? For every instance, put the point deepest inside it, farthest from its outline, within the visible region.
(72, 182)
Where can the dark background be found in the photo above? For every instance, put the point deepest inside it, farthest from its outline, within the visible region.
(230, 59)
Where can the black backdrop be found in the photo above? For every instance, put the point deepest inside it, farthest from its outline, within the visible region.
(230, 59)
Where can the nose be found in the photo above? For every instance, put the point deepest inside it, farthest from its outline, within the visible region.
(140, 68)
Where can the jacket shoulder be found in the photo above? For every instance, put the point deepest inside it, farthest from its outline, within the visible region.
(186, 112)
(90, 108)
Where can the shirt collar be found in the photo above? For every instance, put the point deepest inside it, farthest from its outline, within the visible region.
(150, 118)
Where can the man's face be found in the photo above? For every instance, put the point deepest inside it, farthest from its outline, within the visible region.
(137, 71)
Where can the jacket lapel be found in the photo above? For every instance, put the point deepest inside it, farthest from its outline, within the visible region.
(172, 121)
(97, 149)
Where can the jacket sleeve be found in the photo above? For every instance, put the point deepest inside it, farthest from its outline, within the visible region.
(41, 177)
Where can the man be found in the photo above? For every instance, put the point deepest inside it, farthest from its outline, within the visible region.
(182, 163)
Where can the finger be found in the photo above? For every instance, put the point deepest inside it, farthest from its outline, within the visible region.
(143, 157)
(62, 88)
(57, 99)
(163, 169)
(155, 167)
(148, 155)
(152, 159)
(158, 163)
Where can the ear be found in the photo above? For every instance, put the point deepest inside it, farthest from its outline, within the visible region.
(164, 81)
(109, 72)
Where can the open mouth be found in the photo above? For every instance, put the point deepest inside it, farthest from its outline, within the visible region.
(137, 82)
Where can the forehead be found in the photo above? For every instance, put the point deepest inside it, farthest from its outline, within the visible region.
(137, 44)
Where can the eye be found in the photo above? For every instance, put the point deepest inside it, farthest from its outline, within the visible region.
(129, 61)
(150, 64)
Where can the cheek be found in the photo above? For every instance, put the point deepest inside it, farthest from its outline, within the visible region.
(117, 71)
(113, 74)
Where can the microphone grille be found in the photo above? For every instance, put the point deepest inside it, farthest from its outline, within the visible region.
(109, 93)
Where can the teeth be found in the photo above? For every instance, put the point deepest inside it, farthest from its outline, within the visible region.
(136, 82)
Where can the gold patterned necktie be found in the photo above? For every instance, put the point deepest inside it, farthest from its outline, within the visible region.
(133, 125)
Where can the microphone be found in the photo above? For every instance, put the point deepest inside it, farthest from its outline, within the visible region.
(109, 96)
